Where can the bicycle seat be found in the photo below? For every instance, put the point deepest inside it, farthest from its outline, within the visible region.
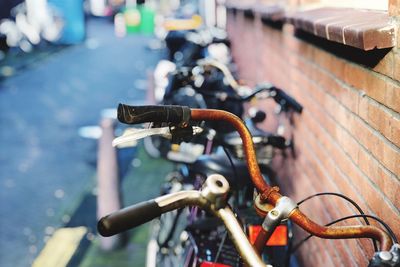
(219, 163)
(264, 145)
(260, 138)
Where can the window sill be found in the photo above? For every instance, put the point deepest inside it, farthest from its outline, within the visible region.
(273, 13)
(363, 29)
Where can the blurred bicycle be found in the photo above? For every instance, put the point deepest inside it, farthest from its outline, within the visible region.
(32, 22)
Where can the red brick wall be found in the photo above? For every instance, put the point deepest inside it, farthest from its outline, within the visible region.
(347, 138)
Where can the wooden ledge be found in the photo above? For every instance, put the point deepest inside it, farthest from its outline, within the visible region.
(237, 6)
(273, 13)
(364, 29)
(246, 8)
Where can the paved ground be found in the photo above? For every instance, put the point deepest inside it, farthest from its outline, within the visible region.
(141, 183)
(46, 169)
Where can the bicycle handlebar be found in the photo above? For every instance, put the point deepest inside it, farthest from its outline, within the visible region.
(212, 197)
(128, 218)
(279, 95)
(268, 194)
(286, 100)
(281, 98)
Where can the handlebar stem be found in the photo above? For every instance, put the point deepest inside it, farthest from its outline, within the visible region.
(212, 197)
(284, 207)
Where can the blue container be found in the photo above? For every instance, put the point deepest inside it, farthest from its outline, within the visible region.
(74, 31)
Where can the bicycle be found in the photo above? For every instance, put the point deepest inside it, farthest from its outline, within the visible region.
(192, 171)
(213, 197)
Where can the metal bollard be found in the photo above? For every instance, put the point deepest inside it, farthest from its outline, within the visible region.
(109, 196)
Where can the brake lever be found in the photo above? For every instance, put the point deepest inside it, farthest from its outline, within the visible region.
(134, 134)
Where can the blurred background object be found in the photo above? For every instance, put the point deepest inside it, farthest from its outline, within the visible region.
(30, 22)
(74, 20)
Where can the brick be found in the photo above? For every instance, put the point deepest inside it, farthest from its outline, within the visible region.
(337, 67)
(392, 96)
(349, 99)
(398, 38)
(390, 129)
(357, 128)
(394, 7)
(397, 66)
(395, 131)
(386, 65)
(340, 257)
(391, 159)
(375, 116)
(375, 88)
(355, 76)
(348, 144)
(322, 58)
(357, 253)
(348, 258)
(363, 105)
(325, 257)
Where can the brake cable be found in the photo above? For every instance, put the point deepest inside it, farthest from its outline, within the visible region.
(221, 245)
(348, 200)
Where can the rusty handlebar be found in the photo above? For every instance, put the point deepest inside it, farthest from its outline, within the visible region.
(182, 115)
(271, 194)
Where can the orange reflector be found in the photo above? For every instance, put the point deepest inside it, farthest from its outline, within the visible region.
(278, 238)
(212, 264)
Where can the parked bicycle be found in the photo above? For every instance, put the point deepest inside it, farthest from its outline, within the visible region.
(223, 154)
(269, 204)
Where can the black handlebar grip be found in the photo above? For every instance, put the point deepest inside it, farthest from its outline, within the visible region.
(284, 99)
(140, 114)
(128, 218)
